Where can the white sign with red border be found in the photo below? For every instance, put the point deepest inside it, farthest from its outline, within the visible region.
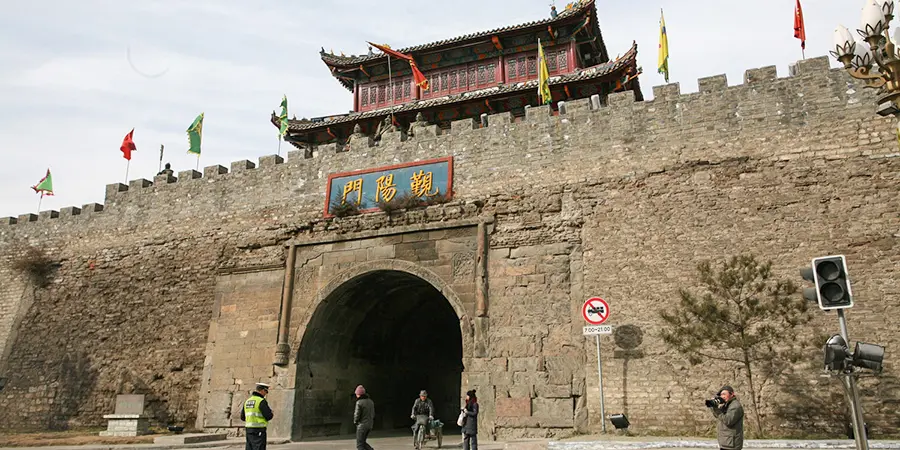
(595, 311)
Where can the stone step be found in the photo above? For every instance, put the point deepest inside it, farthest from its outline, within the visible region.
(190, 438)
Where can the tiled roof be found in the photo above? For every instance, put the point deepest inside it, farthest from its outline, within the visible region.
(352, 61)
(598, 71)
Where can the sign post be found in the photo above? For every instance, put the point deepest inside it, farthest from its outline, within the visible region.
(595, 311)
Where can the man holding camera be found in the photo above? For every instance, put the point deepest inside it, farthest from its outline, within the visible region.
(730, 416)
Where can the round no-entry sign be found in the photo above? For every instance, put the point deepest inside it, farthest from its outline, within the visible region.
(595, 311)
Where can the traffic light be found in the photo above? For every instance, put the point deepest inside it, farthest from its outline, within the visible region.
(836, 353)
(868, 356)
(864, 356)
(832, 283)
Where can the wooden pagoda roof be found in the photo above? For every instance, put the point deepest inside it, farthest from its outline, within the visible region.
(580, 9)
(629, 59)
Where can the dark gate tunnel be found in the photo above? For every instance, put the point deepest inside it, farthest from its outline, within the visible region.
(390, 331)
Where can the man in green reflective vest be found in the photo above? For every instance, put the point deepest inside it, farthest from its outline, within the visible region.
(256, 415)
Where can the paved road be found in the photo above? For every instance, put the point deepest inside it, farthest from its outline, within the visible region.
(392, 442)
(395, 441)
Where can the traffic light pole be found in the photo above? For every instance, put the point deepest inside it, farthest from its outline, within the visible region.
(849, 383)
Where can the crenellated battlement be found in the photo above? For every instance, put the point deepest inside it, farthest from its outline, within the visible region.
(815, 112)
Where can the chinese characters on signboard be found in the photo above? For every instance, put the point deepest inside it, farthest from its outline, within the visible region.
(365, 188)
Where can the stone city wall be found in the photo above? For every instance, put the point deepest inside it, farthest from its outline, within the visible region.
(620, 201)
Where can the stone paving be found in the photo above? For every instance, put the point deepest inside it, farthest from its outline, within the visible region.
(689, 443)
(584, 443)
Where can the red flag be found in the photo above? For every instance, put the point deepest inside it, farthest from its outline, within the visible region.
(799, 28)
(394, 53)
(128, 145)
(418, 76)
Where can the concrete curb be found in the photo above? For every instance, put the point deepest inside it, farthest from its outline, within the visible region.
(749, 444)
(215, 444)
(223, 443)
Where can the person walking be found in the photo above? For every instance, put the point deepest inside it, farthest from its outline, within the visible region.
(470, 426)
(363, 418)
(256, 416)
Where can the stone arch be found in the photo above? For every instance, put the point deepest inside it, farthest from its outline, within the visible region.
(391, 325)
(390, 264)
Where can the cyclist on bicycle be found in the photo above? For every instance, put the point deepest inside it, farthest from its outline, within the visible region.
(421, 409)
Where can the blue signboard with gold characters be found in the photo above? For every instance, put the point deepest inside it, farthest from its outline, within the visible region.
(365, 188)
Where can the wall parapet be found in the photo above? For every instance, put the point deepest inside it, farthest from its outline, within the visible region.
(637, 134)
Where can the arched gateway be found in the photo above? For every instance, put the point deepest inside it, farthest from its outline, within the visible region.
(396, 312)
(392, 326)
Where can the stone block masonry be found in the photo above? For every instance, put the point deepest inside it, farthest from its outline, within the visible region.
(618, 201)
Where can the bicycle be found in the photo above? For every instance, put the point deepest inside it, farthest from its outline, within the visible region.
(419, 439)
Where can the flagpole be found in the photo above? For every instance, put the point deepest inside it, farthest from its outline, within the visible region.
(390, 89)
(161, 147)
(198, 163)
(803, 53)
(127, 166)
(279, 145)
(39, 202)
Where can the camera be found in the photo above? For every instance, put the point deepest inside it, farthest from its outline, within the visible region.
(716, 401)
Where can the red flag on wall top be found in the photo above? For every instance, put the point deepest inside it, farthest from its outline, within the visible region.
(799, 28)
(418, 76)
(128, 145)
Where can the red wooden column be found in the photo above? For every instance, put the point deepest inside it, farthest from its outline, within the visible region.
(570, 56)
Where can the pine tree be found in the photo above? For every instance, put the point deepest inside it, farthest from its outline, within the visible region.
(742, 315)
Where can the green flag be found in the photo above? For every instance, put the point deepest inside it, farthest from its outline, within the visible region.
(282, 130)
(45, 186)
(195, 133)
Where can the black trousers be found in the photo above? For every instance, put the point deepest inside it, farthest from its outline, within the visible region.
(256, 439)
(362, 433)
(470, 441)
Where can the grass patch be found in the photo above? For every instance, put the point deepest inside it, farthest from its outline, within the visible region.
(439, 198)
(69, 437)
(409, 201)
(35, 265)
(344, 209)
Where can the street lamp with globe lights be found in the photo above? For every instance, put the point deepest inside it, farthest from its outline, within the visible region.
(876, 48)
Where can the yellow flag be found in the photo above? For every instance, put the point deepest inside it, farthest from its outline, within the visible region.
(543, 77)
(663, 65)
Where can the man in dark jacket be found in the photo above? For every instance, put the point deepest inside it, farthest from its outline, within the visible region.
(422, 407)
(363, 418)
(256, 414)
(730, 416)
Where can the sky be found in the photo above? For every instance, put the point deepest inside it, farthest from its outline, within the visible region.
(75, 77)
